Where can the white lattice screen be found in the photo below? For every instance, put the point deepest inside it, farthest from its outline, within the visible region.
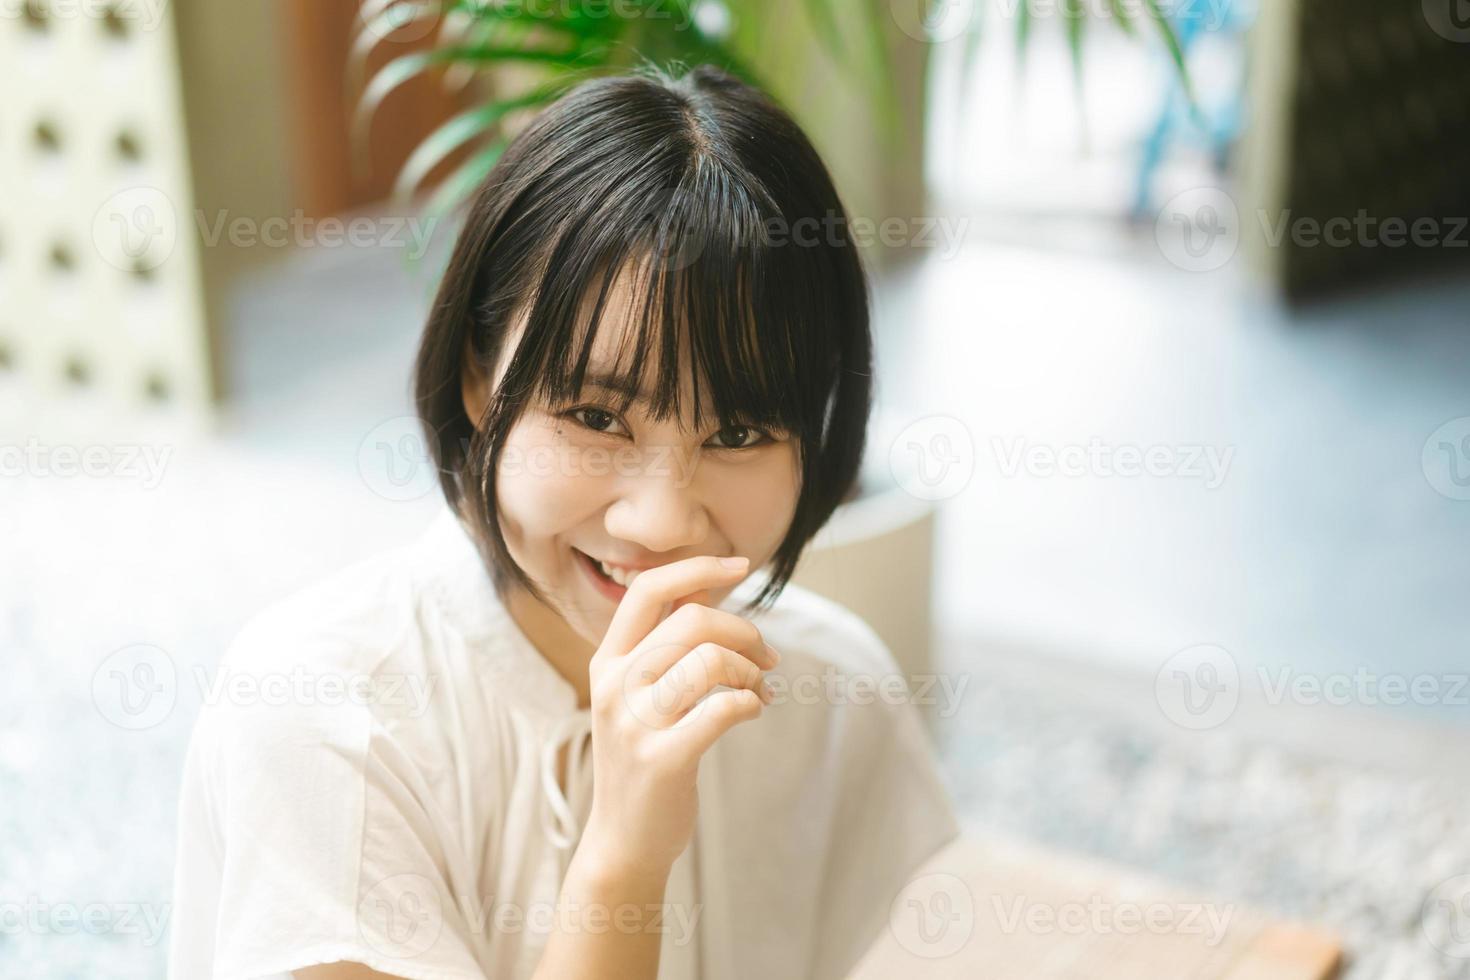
(100, 285)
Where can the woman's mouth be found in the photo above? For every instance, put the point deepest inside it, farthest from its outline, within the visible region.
(611, 581)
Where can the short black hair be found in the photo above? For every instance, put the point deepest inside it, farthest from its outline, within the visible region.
(700, 178)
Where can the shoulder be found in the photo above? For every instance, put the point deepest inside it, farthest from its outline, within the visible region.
(343, 618)
(388, 655)
(318, 669)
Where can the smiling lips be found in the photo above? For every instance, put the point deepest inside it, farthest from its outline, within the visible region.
(611, 580)
(620, 575)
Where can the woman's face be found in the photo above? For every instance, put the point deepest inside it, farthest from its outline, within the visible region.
(585, 485)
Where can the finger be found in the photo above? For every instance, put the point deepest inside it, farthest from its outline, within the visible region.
(699, 597)
(694, 624)
(713, 717)
(642, 607)
(699, 672)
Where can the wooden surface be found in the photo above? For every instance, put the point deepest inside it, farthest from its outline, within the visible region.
(998, 909)
(314, 39)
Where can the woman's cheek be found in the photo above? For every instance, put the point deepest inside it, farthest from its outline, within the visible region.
(756, 501)
(540, 493)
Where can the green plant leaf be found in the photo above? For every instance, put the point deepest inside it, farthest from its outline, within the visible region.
(457, 186)
(458, 131)
(1023, 33)
(406, 67)
(1074, 16)
(478, 32)
(1120, 15)
(882, 67)
(970, 56)
(1171, 41)
(373, 31)
(825, 24)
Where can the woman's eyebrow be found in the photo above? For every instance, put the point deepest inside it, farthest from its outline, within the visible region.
(620, 384)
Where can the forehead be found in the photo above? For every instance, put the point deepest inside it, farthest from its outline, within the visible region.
(630, 315)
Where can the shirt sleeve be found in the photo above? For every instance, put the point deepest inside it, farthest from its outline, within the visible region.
(306, 837)
(893, 813)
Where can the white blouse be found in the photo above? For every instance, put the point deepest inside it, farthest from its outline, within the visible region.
(379, 784)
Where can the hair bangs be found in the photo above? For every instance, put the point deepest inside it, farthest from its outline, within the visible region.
(696, 302)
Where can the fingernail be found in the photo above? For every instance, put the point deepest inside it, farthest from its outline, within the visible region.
(771, 652)
(739, 561)
(768, 693)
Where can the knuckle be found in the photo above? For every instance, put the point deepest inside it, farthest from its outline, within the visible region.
(607, 699)
(700, 615)
(751, 633)
(750, 674)
(710, 654)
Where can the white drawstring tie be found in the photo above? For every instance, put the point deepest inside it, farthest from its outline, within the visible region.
(560, 819)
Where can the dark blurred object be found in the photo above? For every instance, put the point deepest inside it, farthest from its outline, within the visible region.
(1376, 133)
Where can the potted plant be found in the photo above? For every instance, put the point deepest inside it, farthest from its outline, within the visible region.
(852, 73)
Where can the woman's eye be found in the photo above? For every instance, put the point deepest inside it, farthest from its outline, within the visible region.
(596, 419)
(739, 437)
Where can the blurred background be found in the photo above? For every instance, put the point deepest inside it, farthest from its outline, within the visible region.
(1168, 483)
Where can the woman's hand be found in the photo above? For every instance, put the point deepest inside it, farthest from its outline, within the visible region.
(648, 733)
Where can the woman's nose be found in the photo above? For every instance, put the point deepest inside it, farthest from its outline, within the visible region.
(659, 513)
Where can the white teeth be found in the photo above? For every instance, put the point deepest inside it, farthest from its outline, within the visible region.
(623, 577)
